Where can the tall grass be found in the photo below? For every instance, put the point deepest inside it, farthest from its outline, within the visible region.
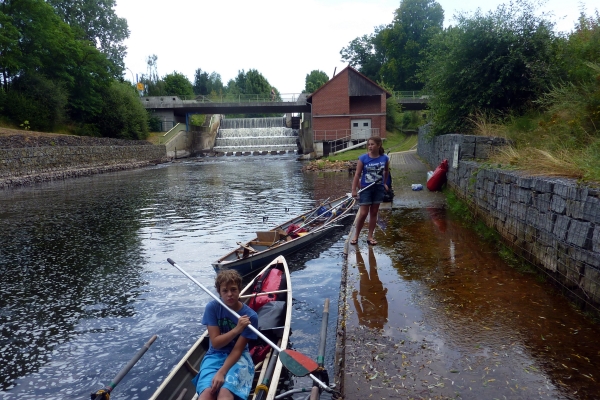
(560, 137)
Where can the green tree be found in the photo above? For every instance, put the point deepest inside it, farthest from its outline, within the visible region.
(178, 84)
(205, 83)
(97, 22)
(582, 47)
(123, 116)
(36, 99)
(497, 62)
(201, 82)
(415, 23)
(314, 81)
(366, 53)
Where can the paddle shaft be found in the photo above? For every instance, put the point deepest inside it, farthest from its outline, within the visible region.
(129, 365)
(252, 328)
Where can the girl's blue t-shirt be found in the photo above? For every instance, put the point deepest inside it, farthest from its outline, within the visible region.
(217, 315)
(373, 169)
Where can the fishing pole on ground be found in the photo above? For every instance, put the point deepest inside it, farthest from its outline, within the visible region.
(104, 394)
(297, 363)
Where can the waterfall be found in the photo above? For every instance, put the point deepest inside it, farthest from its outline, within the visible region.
(255, 135)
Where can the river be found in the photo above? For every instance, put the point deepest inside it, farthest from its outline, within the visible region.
(85, 283)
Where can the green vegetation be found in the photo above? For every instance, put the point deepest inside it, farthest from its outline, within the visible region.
(461, 211)
(502, 73)
(63, 71)
(314, 81)
(395, 141)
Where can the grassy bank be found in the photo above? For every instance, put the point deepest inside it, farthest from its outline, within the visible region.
(394, 142)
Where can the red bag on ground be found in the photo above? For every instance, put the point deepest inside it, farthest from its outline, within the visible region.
(438, 178)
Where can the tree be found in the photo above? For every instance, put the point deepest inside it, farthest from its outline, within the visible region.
(205, 84)
(314, 81)
(415, 23)
(97, 22)
(201, 82)
(178, 84)
(497, 62)
(36, 99)
(366, 54)
(123, 116)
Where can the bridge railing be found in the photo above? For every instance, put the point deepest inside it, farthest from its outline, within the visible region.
(410, 94)
(232, 98)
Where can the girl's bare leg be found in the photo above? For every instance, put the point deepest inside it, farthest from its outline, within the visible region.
(363, 211)
(372, 220)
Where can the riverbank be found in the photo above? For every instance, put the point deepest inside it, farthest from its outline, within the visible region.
(28, 158)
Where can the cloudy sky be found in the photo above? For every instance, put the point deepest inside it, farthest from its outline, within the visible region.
(283, 40)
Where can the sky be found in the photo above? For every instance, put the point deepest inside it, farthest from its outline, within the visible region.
(283, 40)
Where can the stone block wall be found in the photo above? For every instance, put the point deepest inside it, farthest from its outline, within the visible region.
(27, 165)
(552, 222)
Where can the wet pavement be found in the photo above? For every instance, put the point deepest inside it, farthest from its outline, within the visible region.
(432, 312)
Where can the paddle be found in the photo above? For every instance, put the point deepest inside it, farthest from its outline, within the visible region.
(297, 363)
(365, 188)
(105, 393)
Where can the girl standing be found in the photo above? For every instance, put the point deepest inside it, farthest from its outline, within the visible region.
(372, 167)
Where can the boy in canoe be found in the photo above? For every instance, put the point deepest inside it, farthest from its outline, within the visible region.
(227, 369)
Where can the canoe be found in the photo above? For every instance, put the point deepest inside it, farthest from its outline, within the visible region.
(287, 238)
(178, 386)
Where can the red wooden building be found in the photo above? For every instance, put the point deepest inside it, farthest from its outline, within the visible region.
(348, 108)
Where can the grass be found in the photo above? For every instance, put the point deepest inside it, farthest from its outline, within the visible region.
(394, 142)
(560, 137)
(462, 212)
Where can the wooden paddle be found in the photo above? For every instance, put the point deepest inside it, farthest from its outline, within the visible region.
(297, 363)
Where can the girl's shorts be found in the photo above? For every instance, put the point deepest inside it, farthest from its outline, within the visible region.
(372, 195)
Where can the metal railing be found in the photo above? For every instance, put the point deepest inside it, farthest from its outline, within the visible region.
(327, 135)
(410, 94)
(171, 133)
(228, 98)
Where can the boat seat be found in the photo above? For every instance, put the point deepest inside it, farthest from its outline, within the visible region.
(245, 251)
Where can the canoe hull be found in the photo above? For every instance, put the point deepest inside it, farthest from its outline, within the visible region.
(250, 264)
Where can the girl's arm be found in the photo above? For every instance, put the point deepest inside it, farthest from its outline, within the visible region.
(231, 359)
(356, 180)
(219, 340)
(386, 172)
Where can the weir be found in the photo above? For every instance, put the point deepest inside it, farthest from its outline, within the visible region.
(255, 135)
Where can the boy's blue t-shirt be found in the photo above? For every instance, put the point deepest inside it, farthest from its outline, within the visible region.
(217, 315)
(373, 169)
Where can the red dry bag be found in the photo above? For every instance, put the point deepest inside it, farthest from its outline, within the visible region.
(438, 178)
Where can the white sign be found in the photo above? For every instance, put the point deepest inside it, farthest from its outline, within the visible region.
(455, 159)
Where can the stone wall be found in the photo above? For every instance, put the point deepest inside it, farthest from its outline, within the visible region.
(552, 222)
(28, 165)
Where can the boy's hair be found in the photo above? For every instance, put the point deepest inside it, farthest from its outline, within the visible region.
(378, 142)
(228, 276)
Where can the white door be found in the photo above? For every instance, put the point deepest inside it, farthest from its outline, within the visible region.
(361, 129)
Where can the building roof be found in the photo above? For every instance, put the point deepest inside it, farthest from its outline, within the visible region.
(358, 74)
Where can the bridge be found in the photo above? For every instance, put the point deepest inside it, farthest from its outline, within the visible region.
(176, 108)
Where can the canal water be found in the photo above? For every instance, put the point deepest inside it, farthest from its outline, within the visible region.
(84, 283)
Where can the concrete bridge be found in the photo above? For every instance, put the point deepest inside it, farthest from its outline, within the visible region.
(175, 109)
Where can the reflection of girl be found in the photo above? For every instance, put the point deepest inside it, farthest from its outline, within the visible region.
(227, 369)
(372, 310)
(372, 167)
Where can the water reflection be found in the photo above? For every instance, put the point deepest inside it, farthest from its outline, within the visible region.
(84, 280)
(483, 317)
(370, 299)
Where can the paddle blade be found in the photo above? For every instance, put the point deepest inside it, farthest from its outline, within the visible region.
(297, 363)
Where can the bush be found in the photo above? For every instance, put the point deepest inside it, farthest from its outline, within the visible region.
(35, 99)
(123, 116)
